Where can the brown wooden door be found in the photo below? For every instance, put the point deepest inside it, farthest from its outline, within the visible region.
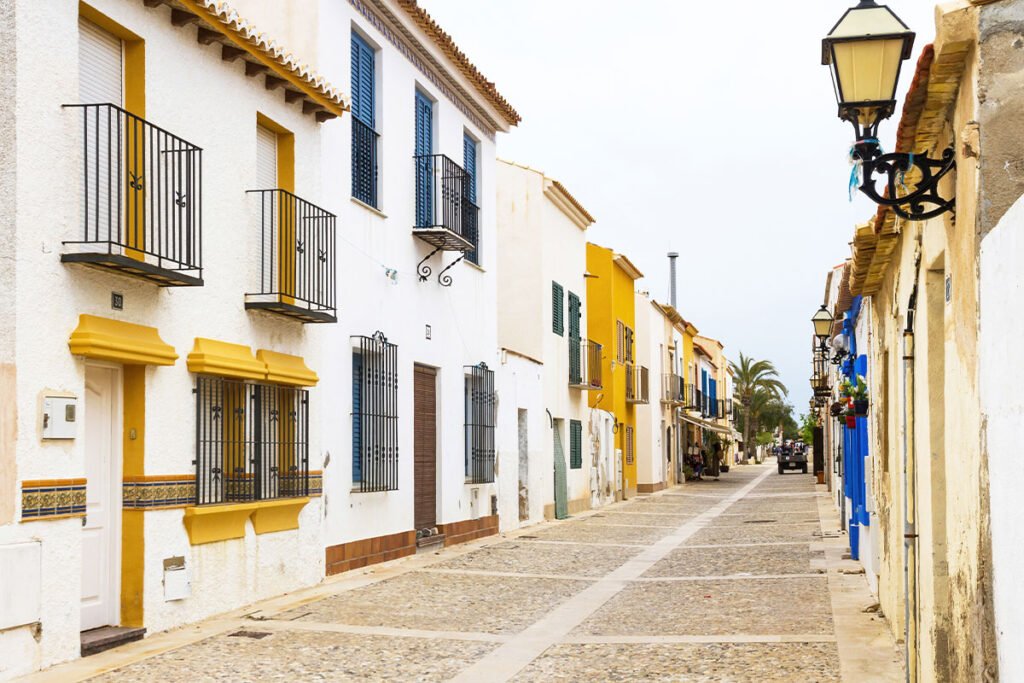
(425, 446)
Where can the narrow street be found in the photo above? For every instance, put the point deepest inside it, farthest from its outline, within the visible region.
(736, 580)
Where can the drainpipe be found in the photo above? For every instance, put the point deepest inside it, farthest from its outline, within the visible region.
(672, 256)
(910, 495)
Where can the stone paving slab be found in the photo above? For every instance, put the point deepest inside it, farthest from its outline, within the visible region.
(305, 656)
(756, 606)
(766, 506)
(443, 602)
(728, 560)
(643, 518)
(756, 520)
(756, 533)
(712, 663)
(527, 557)
(593, 533)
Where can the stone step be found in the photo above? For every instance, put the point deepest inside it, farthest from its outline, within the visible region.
(97, 640)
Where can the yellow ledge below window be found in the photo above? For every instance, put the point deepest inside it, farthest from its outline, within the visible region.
(212, 523)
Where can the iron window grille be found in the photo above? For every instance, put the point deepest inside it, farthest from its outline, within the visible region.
(374, 413)
(297, 264)
(252, 441)
(630, 455)
(364, 162)
(575, 444)
(141, 198)
(481, 414)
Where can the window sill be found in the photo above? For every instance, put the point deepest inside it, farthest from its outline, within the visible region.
(475, 266)
(212, 523)
(371, 209)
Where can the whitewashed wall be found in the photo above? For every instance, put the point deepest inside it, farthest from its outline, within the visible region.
(651, 418)
(520, 387)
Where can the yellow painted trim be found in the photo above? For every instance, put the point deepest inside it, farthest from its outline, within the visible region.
(285, 369)
(211, 523)
(134, 58)
(277, 515)
(275, 66)
(286, 218)
(212, 357)
(133, 558)
(115, 340)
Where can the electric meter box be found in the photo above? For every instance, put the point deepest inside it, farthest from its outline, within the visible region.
(60, 417)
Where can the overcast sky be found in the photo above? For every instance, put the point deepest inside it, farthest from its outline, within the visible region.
(707, 128)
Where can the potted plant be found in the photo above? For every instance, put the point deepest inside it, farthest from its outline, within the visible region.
(859, 395)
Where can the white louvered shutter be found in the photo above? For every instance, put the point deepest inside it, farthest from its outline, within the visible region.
(100, 81)
(266, 159)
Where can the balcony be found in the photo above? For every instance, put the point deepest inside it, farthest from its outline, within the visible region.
(637, 384)
(297, 264)
(673, 390)
(585, 365)
(140, 199)
(691, 400)
(445, 217)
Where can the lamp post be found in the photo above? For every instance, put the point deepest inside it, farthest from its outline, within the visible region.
(822, 321)
(865, 51)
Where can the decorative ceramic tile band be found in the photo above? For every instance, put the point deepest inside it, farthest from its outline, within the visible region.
(159, 491)
(316, 483)
(49, 498)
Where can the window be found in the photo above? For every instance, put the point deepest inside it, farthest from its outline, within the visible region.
(575, 348)
(575, 444)
(364, 134)
(481, 408)
(251, 441)
(424, 141)
(629, 445)
(624, 348)
(374, 413)
(557, 309)
(471, 212)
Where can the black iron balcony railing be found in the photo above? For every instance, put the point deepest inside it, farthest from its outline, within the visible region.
(673, 390)
(698, 402)
(637, 384)
(140, 198)
(442, 204)
(690, 400)
(297, 263)
(364, 163)
(585, 364)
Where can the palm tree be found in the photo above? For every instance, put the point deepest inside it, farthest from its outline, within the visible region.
(756, 384)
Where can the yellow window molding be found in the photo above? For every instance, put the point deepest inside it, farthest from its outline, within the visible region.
(114, 340)
(285, 369)
(211, 523)
(277, 515)
(212, 357)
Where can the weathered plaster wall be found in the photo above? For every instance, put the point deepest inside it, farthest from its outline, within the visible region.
(8, 273)
(520, 387)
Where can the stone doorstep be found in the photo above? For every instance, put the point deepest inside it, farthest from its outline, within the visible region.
(97, 640)
(428, 544)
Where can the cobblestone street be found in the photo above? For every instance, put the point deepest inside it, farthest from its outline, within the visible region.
(736, 580)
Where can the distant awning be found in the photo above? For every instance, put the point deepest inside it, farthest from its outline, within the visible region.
(710, 426)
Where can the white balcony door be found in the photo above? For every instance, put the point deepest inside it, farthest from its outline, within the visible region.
(266, 159)
(100, 81)
(101, 546)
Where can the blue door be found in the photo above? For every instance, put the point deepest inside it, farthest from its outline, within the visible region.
(424, 161)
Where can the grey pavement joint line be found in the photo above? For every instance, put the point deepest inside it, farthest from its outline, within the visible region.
(514, 655)
(290, 625)
(731, 638)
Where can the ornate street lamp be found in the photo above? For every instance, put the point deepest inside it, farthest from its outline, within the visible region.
(865, 52)
(822, 321)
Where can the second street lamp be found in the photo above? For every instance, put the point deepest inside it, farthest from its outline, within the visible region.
(865, 51)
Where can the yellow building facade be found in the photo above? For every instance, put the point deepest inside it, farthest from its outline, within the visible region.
(611, 322)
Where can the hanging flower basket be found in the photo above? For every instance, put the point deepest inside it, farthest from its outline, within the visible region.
(851, 421)
(860, 408)
(837, 409)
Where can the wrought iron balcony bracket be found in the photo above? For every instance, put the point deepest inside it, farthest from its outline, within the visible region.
(423, 269)
(921, 199)
(446, 280)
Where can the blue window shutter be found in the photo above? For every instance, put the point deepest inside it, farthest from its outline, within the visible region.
(362, 81)
(469, 162)
(424, 165)
(357, 410)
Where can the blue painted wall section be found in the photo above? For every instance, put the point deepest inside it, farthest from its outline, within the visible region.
(855, 441)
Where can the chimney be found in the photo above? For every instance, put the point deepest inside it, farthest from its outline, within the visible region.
(672, 256)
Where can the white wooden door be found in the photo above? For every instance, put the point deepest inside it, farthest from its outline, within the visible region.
(266, 159)
(101, 545)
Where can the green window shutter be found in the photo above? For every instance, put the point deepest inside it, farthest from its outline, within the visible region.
(575, 313)
(557, 309)
(575, 444)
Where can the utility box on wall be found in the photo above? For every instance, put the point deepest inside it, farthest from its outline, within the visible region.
(20, 567)
(60, 417)
(176, 583)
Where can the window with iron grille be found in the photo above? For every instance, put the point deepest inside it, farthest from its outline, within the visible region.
(374, 414)
(575, 444)
(557, 309)
(364, 137)
(481, 411)
(629, 445)
(252, 441)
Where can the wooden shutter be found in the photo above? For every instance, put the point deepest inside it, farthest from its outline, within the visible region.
(100, 71)
(266, 159)
(575, 444)
(424, 166)
(469, 164)
(575, 314)
(557, 309)
(363, 87)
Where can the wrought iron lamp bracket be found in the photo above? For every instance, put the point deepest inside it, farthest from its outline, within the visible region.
(446, 280)
(423, 269)
(921, 200)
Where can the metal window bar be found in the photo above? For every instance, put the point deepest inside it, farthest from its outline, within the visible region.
(141, 192)
(441, 186)
(481, 414)
(252, 441)
(630, 456)
(297, 252)
(377, 415)
(364, 162)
